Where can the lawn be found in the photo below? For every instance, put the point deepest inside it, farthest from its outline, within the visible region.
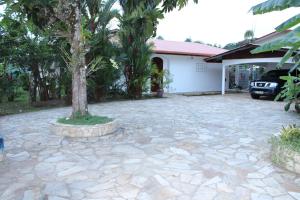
(21, 104)
(85, 120)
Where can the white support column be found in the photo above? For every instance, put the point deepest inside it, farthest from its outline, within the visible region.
(223, 78)
(237, 74)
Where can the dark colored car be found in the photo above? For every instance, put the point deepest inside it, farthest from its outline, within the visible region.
(269, 85)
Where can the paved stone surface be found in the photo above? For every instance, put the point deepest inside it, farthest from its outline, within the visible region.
(176, 148)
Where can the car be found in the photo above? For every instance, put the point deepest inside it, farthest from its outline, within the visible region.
(269, 85)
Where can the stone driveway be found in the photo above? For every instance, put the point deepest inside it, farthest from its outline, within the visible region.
(181, 148)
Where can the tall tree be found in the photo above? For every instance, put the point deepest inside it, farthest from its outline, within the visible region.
(99, 15)
(28, 50)
(138, 24)
(66, 19)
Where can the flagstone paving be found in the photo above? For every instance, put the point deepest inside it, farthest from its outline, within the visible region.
(176, 148)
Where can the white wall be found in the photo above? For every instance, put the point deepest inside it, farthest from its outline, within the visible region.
(192, 74)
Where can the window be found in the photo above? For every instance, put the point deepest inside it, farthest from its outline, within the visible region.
(201, 67)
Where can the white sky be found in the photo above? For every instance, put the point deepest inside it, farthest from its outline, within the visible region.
(219, 21)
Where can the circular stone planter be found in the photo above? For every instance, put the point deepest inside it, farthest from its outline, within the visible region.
(84, 130)
(285, 158)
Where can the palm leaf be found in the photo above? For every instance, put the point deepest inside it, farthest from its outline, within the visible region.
(287, 56)
(297, 65)
(289, 23)
(291, 39)
(274, 5)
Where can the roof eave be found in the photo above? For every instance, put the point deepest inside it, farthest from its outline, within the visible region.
(184, 53)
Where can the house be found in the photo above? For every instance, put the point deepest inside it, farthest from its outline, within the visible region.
(185, 62)
(199, 68)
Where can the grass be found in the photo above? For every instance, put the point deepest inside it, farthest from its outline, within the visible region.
(9, 108)
(21, 104)
(85, 120)
(293, 145)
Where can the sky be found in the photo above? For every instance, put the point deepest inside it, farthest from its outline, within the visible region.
(219, 21)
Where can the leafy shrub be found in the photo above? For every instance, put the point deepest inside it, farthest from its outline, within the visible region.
(290, 92)
(289, 138)
(290, 133)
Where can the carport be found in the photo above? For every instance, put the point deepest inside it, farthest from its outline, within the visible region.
(243, 55)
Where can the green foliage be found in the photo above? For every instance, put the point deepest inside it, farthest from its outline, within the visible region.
(289, 138)
(274, 5)
(231, 46)
(85, 120)
(290, 92)
(160, 77)
(106, 73)
(169, 5)
(138, 24)
(188, 40)
(291, 41)
(289, 23)
(249, 35)
(40, 49)
(290, 133)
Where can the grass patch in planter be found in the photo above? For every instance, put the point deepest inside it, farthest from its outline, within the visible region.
(85, 120)
(289, 137)
(285, 151)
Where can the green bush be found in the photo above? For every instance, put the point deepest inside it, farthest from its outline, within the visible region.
(289, 138)
(290, 133)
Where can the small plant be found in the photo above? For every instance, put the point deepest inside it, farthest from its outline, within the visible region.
(290, 133)
(161, 78)
(289, 138)
(290, 92)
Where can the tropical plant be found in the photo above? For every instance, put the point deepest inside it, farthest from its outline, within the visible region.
(249, 35)
(138, 24)
(29, 51)
(290, 92)
(68, 20)
(231, 46)
(290, 41)
(188, 40)
(160, 78)
(98, 17)
(290, 133)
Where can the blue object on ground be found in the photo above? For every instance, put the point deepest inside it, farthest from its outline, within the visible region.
(1, 144)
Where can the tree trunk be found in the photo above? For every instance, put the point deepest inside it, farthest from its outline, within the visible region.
(79, 93)
(35, 74)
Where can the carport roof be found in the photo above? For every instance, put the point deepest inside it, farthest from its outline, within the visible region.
(244, 52)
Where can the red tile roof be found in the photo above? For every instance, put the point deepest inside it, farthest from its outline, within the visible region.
(185, 48)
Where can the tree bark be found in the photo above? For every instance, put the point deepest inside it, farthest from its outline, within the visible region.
(35, 74)
(79, 92)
